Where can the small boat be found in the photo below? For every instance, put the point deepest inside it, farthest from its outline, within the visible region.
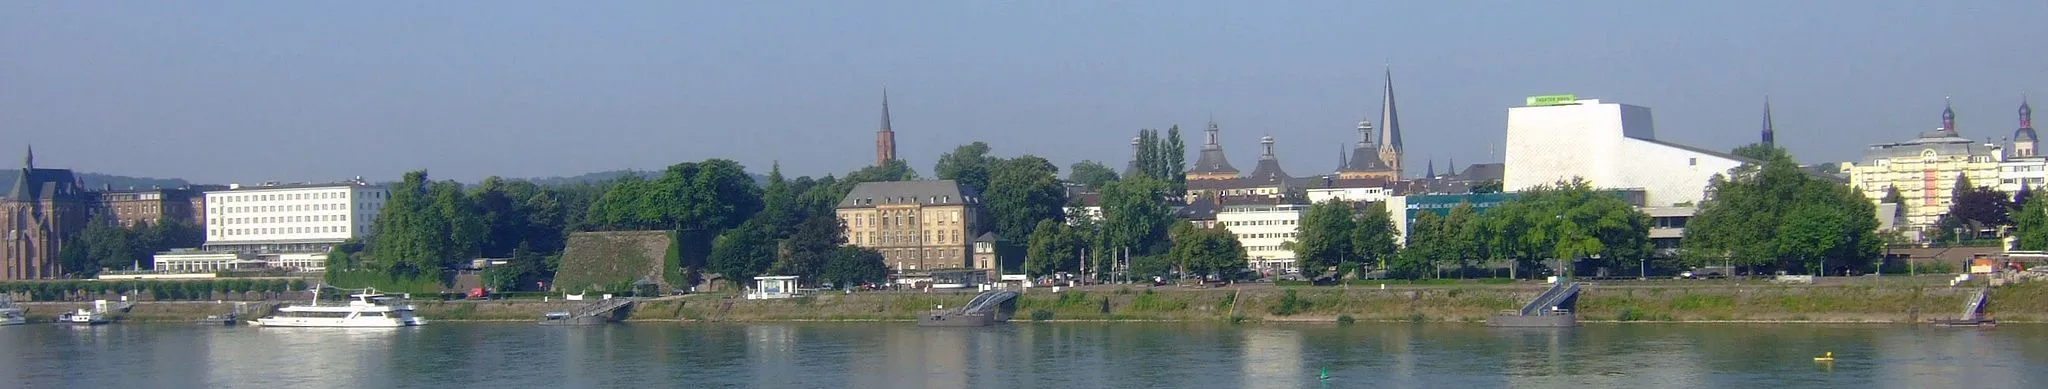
(83, 317)
(567, 319)
(10, 314)
(1825, 357)
(368, 309)
(1976, 322)
(224, 320)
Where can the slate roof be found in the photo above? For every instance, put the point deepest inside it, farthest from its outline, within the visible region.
(925, 192)
(40, 184)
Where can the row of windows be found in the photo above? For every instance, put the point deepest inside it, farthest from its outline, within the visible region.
(1265, 248)
(282, 230)
(899, 219)
(1236, 223)
(1270, 235)
(297, 207)
(282, 219)
(292, 196)
(890, 239)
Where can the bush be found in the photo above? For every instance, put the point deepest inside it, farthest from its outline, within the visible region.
(1630, 314)
(1041, 315)
(1290, 304)
(1345, 320)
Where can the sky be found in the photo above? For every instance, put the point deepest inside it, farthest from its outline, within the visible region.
(243, 92)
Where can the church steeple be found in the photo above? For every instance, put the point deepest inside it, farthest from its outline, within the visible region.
(1390, 127)
(1431, 173)
(885, 138)
(1770, 133)
(1948, 116)
(29, 162)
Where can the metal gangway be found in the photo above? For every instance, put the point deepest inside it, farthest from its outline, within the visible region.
(1563, 296)
(988, 301)
(1973, 310)
(600, 307)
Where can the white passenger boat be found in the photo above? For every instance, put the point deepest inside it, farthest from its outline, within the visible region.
(95, 316)
(10, 314)
(364, 310)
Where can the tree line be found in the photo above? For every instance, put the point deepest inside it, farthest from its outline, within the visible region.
(1571, 220)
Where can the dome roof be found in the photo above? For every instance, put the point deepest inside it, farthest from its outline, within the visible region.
(2024, 134)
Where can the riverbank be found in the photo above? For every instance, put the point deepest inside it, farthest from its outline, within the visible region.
(1776, 303)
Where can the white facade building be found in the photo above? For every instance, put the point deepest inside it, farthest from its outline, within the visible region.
(2014, 172)
(205, 262)
(1264, 228)
(1610, 145)
(328, 213)
(1361, 194)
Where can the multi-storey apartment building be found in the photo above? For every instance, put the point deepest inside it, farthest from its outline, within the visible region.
(916, 225)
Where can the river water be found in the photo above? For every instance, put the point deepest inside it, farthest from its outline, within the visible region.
(1022, 355)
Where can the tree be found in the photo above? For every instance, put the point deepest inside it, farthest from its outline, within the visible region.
(1423, 249)
(1974, 208)
(1149, 153)
(1052, 247)
(1372, 237)
(1488, 186)
(1022, 192)
(811, 247)
(1771, 214)
(744, 252)
(1461, 237)
(1323, 237)
(1174, 164)
(2030, 224)
(780, 211)
(1135, 215)
(1211, 251)
(854, 265)
(1569, 222)
(968, 164)
(892, 170)
(1090, 174)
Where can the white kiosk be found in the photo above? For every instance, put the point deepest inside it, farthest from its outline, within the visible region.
(773, 287)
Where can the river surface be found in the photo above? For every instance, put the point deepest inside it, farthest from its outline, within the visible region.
(1022, 355)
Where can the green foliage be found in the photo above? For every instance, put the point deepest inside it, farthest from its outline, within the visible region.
(1772, 215)
(1568, 220)
(969, 164)
(1135, 215)
(1345, 320)
(1324, 236)
(1488, 186)
(811, 247)
(1174, 165)
(1424, 248)
(1091, 174)
(2030, 224)
(1022, 191)
(1289, 304)
(1373, 236)
(386, 282)
(1053, 247)
(1208, 251)
(1041, 315)
(854, 266)
(740, 254)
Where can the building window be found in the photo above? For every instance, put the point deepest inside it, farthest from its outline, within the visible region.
(1692, 161)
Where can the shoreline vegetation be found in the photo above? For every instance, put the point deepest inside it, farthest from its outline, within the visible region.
(1911, 301)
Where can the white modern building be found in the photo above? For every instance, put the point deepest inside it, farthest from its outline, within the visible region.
(2031, 172)
(296, 217)
(279, 225)
(1263, 226)
(1353, 190)
(1610, 145)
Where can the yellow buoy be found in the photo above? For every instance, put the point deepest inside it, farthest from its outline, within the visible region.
(1825, 357)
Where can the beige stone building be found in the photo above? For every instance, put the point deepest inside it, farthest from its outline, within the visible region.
(1924, 170)
(916, 225)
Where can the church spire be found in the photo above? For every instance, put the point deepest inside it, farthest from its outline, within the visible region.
(1431, 173)
(2026, 113)
(1341, 162)
(1770, 133)
(885, 138)
(1948, 116)
(1390, 127)
(30, 161)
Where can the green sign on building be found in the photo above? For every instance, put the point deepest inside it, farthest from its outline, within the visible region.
(1544, 100)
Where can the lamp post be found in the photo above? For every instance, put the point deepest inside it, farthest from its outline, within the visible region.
(1646, 269)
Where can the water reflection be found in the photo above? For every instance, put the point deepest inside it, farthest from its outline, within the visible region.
(901, 355)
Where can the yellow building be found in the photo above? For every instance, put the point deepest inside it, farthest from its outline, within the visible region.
(1924, 171)
(916, 225)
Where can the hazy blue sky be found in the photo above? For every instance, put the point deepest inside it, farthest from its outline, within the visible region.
(299, 91)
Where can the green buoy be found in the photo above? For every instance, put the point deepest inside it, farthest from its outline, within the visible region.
(1326, 374)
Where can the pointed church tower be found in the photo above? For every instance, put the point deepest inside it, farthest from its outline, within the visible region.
(1770, 133)
(885, 138)
(1390, 128)
(1212, 164)
(1431, 173)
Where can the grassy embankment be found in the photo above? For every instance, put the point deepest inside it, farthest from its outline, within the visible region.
(1875, 303)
